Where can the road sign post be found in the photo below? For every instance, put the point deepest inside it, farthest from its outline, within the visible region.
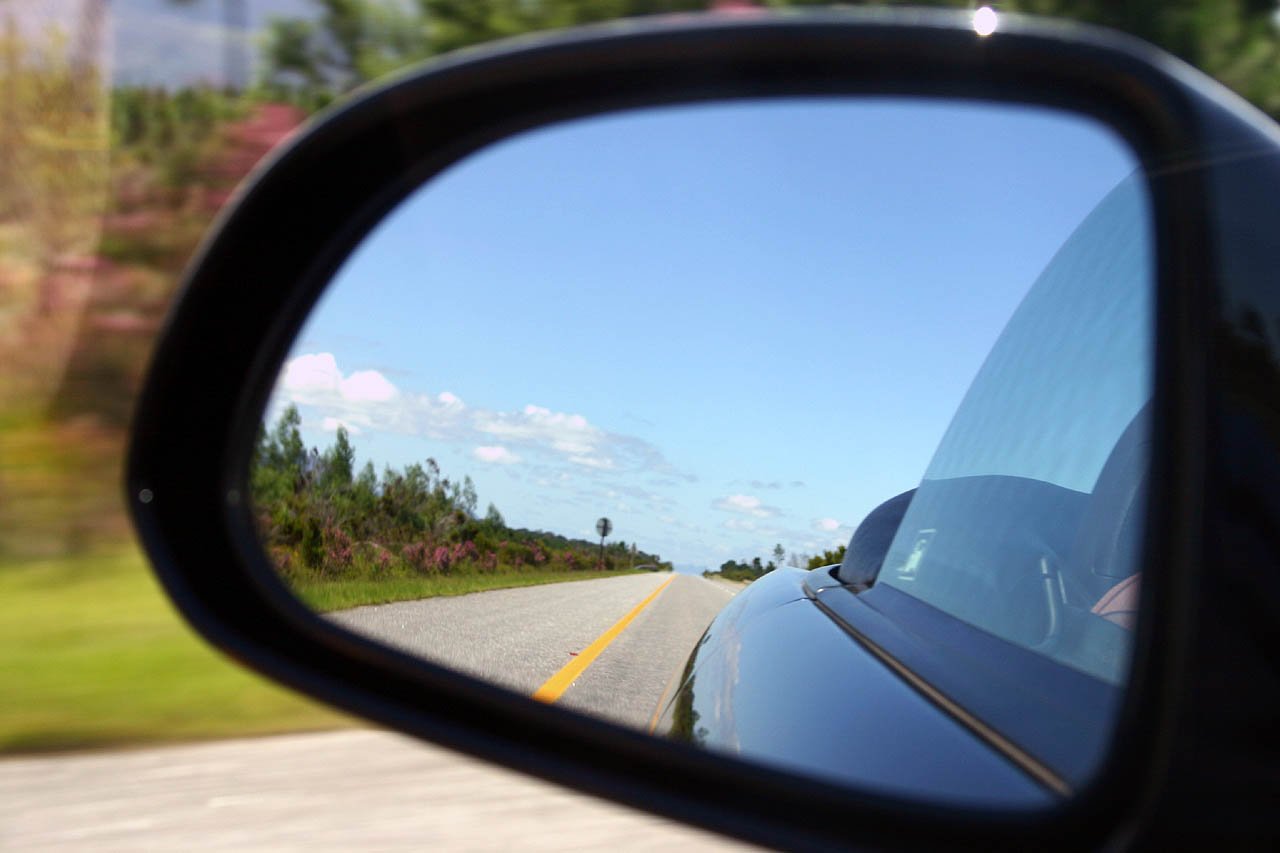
(603, 527)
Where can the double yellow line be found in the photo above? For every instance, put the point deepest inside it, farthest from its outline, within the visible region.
(559, 683)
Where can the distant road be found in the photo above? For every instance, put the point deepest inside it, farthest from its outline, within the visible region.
(521, 638)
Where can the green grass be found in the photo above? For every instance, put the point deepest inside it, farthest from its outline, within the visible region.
(93, 655)
(327, 595)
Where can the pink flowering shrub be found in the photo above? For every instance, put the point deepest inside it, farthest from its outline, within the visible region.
(418, 555)
(441, 559)
(338, 548)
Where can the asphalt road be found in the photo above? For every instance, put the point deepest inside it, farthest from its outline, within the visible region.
(520, 638)
(354, 790)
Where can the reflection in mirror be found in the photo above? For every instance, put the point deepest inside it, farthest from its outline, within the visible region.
(594, 414)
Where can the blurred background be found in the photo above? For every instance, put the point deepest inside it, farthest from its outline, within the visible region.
(125, 125)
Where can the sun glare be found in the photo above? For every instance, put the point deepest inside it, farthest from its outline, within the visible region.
(984, 21)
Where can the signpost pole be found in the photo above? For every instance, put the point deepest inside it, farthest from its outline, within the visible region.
(603, 526)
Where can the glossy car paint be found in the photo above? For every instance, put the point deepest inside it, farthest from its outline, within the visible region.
(778, 682)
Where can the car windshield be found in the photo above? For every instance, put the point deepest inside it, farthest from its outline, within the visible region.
(1045, 457)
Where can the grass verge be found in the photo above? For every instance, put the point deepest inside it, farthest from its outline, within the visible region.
(93, 655)
(328, 595)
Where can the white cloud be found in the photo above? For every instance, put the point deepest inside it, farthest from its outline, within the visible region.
(315, 378)
(496, 454)
(305, 373)
(829, 525)
(367, 386)
(598, 462)
(569, 434)
(367, 399)
(746, 505)
(332, 424)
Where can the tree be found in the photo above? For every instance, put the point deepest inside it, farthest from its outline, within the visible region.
(779, 555)
(493, 518)
(352, 42)
(364, 492)
(469, 499)
(355, 41)
(339, 463)
(285, 451)
(827, 558)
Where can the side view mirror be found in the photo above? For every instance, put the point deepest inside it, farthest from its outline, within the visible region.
(579, 278)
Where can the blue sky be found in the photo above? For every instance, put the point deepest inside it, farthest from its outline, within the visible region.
(724, 326)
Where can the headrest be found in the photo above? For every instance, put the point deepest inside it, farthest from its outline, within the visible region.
(1111, 529)
(870, 542)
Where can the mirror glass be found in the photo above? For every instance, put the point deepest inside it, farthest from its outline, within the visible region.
(597, 414)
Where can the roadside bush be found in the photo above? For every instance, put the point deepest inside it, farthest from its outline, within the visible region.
(338, 549)
(419, 556)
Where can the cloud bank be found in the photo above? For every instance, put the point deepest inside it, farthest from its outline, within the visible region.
(746, 505)
(365, 400)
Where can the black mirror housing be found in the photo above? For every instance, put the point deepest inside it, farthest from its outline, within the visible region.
(1213, 171)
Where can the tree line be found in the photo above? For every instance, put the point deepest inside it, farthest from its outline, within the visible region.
(321, 518)
(754, 568)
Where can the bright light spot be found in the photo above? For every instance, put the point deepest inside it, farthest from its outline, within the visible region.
(984, 21)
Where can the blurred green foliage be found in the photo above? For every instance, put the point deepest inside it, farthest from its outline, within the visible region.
(172, 132)
(92, 654)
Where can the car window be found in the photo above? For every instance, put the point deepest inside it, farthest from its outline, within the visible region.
(1027, 520)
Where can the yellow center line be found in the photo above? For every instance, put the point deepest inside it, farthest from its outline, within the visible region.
(559, 683)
